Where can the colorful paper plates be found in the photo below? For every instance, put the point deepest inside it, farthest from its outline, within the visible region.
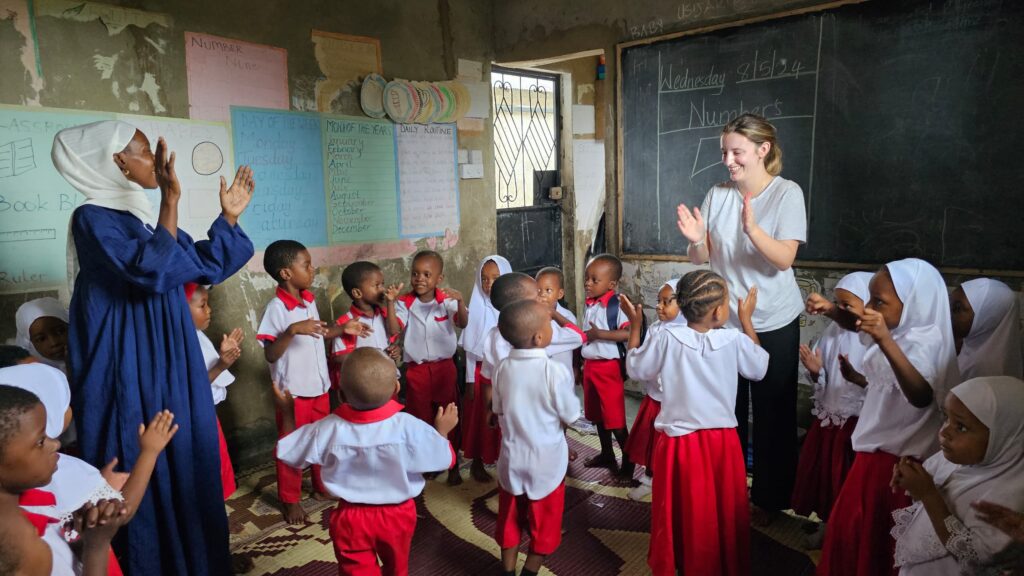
(371, 97)
(401, 101)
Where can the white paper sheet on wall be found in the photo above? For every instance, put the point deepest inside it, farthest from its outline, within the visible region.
(582, 119)
(588, 173)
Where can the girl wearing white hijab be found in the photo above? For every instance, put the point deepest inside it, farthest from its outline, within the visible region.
(640, 445)
(42, 330)
(908, 369)
(827, 453)
(982, 458)
(480, 441)
(132, 347)
(985, 319)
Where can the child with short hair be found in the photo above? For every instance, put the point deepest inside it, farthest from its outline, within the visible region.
(291, 334)
(373, 457)
(700, 521)
(43, 331)
(11, 355)
(981, 458)
(480, 441)
(534, 401)
(640, 446)
(907, 372)
(827, 452)
(986, 318)
(364, 283)
(604, 401)
(430, 315)
(218, 360)
(551, 290)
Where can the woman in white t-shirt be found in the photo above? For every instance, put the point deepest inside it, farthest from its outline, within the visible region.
(749, 229)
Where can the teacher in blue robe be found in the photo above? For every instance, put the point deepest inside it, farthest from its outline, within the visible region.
(132, 346)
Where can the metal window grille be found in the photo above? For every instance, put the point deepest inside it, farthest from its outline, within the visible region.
(525, 133)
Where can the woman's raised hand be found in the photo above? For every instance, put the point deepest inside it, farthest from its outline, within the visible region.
(747, 215)
(166, 177)
(235, 198)
(691, 225)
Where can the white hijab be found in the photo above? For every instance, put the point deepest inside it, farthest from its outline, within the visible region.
(49, 384)
(482, 315)
(992, 348)
(998, 401)
(835, 399)
(925, 331)
(84, 156)
(31, 311)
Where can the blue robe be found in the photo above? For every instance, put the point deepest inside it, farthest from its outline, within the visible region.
(133, 351)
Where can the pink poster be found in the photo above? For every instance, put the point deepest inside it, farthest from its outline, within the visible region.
(223, 72)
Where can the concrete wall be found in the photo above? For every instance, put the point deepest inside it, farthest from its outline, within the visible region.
(83, 58)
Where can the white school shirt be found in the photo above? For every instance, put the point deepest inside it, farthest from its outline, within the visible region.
(534, 401)
(496, 348)
(652, 388)
(596, 316)
(698, 375)
(779, 211)
(302, 369)
(219, 386)
(888, 421)
(429, 327)
(564, 358)
(374, 456)
(377, 339)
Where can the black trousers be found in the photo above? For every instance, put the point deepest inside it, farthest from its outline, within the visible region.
(773, 401)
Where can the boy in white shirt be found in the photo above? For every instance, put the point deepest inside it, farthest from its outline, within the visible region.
(373, 457)
(534, 400)
(430, 316)
(551, 290)
(292, 334)
(364, 283)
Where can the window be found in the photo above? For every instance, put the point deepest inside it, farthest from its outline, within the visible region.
(525, 133)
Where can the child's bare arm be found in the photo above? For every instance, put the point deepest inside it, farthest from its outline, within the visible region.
(746, 313)
(635, 313)
(609, 335)
(230, 351)
(915, 388)
(152, 441)
(462, 316)
(391, 322)
(98, 523)
(446, 419)
(286, 406)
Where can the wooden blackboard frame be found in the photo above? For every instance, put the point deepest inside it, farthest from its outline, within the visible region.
(619, 140)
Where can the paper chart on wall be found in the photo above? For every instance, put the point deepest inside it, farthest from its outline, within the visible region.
(359, 168)
(428, 179)
(223, 72)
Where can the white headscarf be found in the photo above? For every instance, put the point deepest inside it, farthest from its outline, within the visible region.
(998, 401)
(992, 348)
(48, 384)
(84, 156)
(482, 315)
(31, 311)
(835, 399)
(925, 331)
(674, 285)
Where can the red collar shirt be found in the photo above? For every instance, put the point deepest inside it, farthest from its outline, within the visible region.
(596, 316)
(302, 369)
(429, 327)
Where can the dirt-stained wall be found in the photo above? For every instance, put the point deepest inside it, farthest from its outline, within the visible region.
(128, 56)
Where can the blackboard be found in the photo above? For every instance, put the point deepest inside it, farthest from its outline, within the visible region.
(899, 120)
(531, 237)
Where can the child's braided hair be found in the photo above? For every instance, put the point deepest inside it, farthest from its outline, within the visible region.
(698, 292)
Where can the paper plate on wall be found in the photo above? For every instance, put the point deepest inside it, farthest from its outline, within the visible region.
(428, 106)
(371, 97)
(401, 101)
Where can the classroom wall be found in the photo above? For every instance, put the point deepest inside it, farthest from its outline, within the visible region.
(130, 58)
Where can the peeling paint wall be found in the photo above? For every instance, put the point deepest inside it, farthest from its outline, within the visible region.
(119, 58)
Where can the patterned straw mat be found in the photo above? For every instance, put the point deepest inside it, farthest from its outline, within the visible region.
(604, 533)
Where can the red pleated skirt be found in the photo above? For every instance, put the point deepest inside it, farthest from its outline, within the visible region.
(640, 445)
(479, 438)
(700, 520)
(857, 541)
(825, 461)
(227, 471)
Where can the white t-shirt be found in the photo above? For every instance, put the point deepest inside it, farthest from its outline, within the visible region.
(698, 375)
(302, 368)
(780, 212)
(219, 386)
(374, 456)
(534, 401)
(429, 327)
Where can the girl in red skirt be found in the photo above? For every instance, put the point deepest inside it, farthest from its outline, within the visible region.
(700, 520)
(218, 360)
(827, 453)
(907, 372)
(481, 442)
(640, 446)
